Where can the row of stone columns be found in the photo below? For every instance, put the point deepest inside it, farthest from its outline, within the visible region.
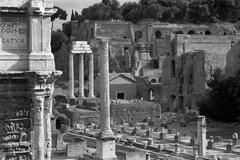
(81, 76)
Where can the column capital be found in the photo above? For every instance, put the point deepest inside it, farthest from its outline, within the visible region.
(104, 39)
(43, 77)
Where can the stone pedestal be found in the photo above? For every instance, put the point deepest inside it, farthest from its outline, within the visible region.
(106, 149)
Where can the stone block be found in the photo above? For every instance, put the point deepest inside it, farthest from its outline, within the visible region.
(76, 149)
(177, 138)
(162, 136)
(192, 141)
(147, 133)
(210, 144)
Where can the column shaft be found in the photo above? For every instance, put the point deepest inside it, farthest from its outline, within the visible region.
(91, 76)
(38, 129)
(48, 129)
(105, 97)
(71, 76)
(81, 76)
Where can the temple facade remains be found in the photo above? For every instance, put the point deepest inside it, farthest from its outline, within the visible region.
(27, 76)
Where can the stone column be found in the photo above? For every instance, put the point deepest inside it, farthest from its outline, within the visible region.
(104, 90)
(81, 76)
(202, 142)
(105, 140)
(47, 121)
(38, 127)
(91, 76)
(71, 77)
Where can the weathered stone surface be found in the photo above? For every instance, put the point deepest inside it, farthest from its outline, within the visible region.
(13, 3)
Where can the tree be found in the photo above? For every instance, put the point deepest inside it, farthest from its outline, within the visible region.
(222, 101)
(103, 11)
(198, 11)
(58, 38)
(60, 14)
(130, 11)
(72, 16)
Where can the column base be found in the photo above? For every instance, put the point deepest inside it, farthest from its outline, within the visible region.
(106, 149)
(91, 97)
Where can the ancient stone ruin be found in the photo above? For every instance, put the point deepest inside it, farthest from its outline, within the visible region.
(27, 76)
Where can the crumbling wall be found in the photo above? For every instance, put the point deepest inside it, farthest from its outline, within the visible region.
(132, 112)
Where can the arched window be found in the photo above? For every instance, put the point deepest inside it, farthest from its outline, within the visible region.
(160, 80)
(91, 33)
(158, 35)
(173, 72)
(191, 32)
(59, 122)
(138, 35)
(155, 64)
(153, 81)
(179, 32)
(181, 100)
(208, 33)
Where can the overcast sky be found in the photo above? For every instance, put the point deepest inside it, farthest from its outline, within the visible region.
(77, 5)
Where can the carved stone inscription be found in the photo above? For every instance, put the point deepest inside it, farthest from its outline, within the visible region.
(13, 33)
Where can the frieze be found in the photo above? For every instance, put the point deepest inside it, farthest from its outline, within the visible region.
(15, 128)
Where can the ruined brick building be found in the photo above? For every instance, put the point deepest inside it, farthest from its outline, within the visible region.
(177, 57)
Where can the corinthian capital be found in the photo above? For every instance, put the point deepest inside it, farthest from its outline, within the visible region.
(103, 40)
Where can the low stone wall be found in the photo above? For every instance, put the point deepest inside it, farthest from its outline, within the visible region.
(133, 112)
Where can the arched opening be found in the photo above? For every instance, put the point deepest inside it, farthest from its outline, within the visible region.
(191, 32)
(160, 80)
(153, 81)
(181, 100)
(151, 94)
(91, 33)
(173, 71)
(138, 35)
(141, 73)
(158, 35)
(87, 34)
(179, 32)
(125, 37)
(59, 122)
(224, 33)
(173, 103)
(208, 33)
(155, 64)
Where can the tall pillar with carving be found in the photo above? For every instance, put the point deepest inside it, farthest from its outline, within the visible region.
(91, 76)
(38, 126)
(42, 85)
(105, 140)
(47, 120)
